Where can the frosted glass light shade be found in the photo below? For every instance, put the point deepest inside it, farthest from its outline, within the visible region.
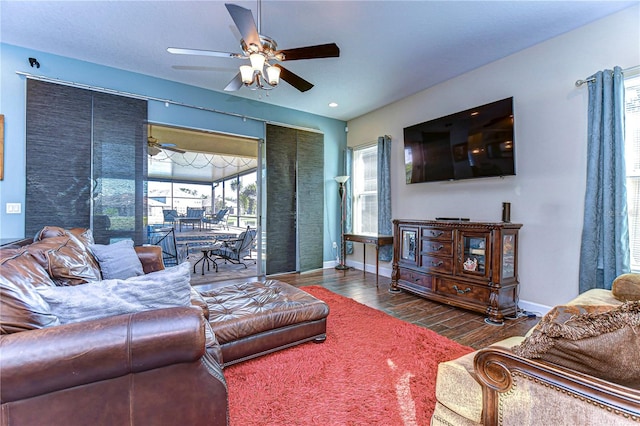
(257, 61)
(247, 74)
(341, 179)
(273, 75)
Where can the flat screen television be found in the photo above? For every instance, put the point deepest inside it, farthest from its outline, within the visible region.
(469, 144)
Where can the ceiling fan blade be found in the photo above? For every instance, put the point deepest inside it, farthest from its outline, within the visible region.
(243, 18)
(178, 150)
(293, 79)
(330, 50)
(234, 84)
(199, 52)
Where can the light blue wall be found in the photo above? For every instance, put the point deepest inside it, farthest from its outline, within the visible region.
(12, 105)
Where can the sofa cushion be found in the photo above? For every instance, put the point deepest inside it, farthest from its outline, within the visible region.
(21, 306)
(457, 388)
(162, 289)
(118, 260)
(595, 296)
(601, 341)
(626, 287)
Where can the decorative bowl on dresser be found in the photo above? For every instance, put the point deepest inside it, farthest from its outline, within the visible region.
(471, 265)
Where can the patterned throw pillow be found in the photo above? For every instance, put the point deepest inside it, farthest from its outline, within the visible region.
(161, 289)
(118, 260)
(602, 341)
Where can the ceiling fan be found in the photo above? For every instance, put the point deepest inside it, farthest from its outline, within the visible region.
(263, 53)
(154, 146)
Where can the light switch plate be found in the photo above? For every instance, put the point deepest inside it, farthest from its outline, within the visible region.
(14, 208)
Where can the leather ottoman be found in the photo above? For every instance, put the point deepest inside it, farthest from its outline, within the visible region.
(256, 318)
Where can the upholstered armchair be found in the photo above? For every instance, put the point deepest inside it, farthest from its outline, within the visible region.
(579, 366)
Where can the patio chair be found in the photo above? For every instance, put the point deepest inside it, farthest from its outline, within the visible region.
(172, 254)
(219, 218)
(235, 250)
(170, 216)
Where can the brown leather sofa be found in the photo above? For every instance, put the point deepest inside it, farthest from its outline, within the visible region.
(144, 368)
(157, 367)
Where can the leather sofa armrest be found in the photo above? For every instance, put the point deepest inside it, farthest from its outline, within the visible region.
(594, 400)
(150, 257)
(36, 362)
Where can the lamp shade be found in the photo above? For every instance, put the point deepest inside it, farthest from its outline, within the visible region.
(273, 75)
(247, 74)
(342, 179)
(257, 61)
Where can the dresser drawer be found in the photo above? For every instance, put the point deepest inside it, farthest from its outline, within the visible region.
(437, 234)
(443, 265)
(461, 290)
(437, 247)
(416, 278)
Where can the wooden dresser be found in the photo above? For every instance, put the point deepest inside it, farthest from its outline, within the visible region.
(471, 265)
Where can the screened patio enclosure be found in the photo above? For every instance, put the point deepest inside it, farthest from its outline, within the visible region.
(199, 169)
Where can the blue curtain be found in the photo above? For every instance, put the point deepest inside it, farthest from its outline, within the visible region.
(348, 221)
(604, 253)
(384, 195)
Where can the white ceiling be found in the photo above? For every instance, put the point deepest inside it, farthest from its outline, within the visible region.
(389, 49)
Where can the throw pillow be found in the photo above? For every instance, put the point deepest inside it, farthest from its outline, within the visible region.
(602, 341)
(21, 306)
(118, 260)
(626, 287)
(161, 289)
(66, 259)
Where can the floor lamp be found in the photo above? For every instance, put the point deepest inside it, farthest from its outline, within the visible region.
(342, 191)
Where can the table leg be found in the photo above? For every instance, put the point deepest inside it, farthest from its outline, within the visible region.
(202, 259)
(205, 258)
(377, 260)
(364, 258)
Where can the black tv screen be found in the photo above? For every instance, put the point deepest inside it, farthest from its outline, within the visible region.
(469, 144)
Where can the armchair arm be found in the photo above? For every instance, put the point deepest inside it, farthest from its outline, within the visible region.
(37, 362)
(150, 257)
(514, 388)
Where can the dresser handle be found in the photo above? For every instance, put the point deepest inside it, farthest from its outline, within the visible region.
(436, 233)
(436, 263)
(437, 248)
(467, 290)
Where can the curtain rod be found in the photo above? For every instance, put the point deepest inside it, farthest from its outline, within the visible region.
(587, 80)
(135, 95)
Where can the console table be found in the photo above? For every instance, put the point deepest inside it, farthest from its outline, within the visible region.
(376, 240)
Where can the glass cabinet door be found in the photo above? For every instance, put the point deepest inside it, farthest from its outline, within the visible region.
(508, 256)
(408, 245)
(473, 257)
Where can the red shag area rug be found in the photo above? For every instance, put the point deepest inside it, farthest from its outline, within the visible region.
(373, 369)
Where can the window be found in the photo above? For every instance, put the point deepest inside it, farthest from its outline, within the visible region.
(239, 194)
(632, 156)
(365, 190)
(177, 196)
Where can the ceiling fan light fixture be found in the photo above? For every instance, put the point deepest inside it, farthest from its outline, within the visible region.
(257, 61)
(273, 75)
(246, 72)
(153, 150)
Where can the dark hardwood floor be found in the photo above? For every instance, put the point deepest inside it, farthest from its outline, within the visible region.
(465, 327)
